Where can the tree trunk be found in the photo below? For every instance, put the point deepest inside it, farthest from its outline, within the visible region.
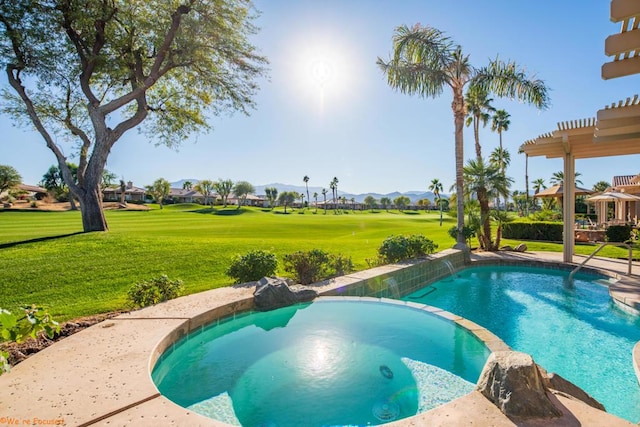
(458, 114)
(486, 220)
(526, 180)
(91, 209)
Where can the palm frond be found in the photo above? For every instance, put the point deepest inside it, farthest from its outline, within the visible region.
(506, 79)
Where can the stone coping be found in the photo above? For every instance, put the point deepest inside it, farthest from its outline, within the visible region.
(101, 375)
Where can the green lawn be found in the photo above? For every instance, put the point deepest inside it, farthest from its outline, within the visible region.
(44, 259)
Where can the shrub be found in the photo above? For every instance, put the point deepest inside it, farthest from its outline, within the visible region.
(315, 265)
(154, 291)
(18, 327)
(467, 232)
(252, 266)
(618, 233)
(398, 248)
(308, 267)
(539, 230)
(341, 264)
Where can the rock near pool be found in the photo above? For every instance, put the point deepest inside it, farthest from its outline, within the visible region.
(512, 381)
(273, 292)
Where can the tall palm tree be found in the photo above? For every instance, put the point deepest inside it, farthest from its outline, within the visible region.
(538, 184)
(425, 61)
(315, 197)
(500, 123)
(501, 159)
(324, 193)
(334, 190)
(478, 108)
(526, 179)
(306, 184)
(436, 187)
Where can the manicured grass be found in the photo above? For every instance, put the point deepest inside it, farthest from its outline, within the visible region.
(45, 260)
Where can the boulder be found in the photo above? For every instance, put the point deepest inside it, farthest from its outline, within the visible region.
(557, 383)
(520, 248)
(512, 381)
(273, 292)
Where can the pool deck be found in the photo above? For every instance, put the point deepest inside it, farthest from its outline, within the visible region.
(101, 375)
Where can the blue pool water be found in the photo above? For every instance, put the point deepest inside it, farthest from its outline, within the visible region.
(323, 364)
(573, 330)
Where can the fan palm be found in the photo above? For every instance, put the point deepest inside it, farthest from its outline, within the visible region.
(306, 184)
(425, 62)
(501, 159)
(436, 187)
(500, 123)
(485, 178)
(478, 108)
(526, 179)
(558, 178)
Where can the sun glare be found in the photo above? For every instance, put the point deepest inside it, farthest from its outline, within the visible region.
(322, 73)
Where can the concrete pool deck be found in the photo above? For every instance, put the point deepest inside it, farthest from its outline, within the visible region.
(101, 375)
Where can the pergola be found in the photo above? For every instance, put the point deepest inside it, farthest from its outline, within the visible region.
(616, 129)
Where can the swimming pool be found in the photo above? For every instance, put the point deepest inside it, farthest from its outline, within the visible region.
(571, 329)
(337, 361)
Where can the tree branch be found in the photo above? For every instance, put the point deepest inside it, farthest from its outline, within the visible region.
(16, 83)
(157, 70)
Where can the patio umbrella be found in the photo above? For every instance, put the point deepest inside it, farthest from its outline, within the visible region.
(601, 201)
(613, 196)
(558, 191)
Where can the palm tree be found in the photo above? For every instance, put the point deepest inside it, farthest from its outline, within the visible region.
(315, 197)
(425, 61)
(558, 178)
(478, 109)
(436, 187)
(526, 177)
(334, 189)
(601, 186)
(501, 159)
(480, 177)
(500, 123)
(306, 183)
(324, 193)
(538, 184)
(187, 185)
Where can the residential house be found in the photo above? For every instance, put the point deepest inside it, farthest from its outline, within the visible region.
(183, 195)
(131, 193)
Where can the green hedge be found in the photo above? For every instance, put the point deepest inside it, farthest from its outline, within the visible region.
(539, 230)
(618, 233)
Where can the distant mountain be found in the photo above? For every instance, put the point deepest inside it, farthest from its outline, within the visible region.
(179, 184)
(414, 196)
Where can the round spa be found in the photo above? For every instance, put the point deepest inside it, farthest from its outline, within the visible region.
(332, 362)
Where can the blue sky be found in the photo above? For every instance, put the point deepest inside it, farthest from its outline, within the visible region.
(327, 111)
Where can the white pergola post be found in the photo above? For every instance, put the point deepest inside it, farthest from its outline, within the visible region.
(568, 207)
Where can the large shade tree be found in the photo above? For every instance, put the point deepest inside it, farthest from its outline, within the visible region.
(425, 61)
(9, 177)
(83, 73)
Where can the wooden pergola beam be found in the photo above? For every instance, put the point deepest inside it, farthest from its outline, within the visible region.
(621, 68)
(624, 9)
(621, 43)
